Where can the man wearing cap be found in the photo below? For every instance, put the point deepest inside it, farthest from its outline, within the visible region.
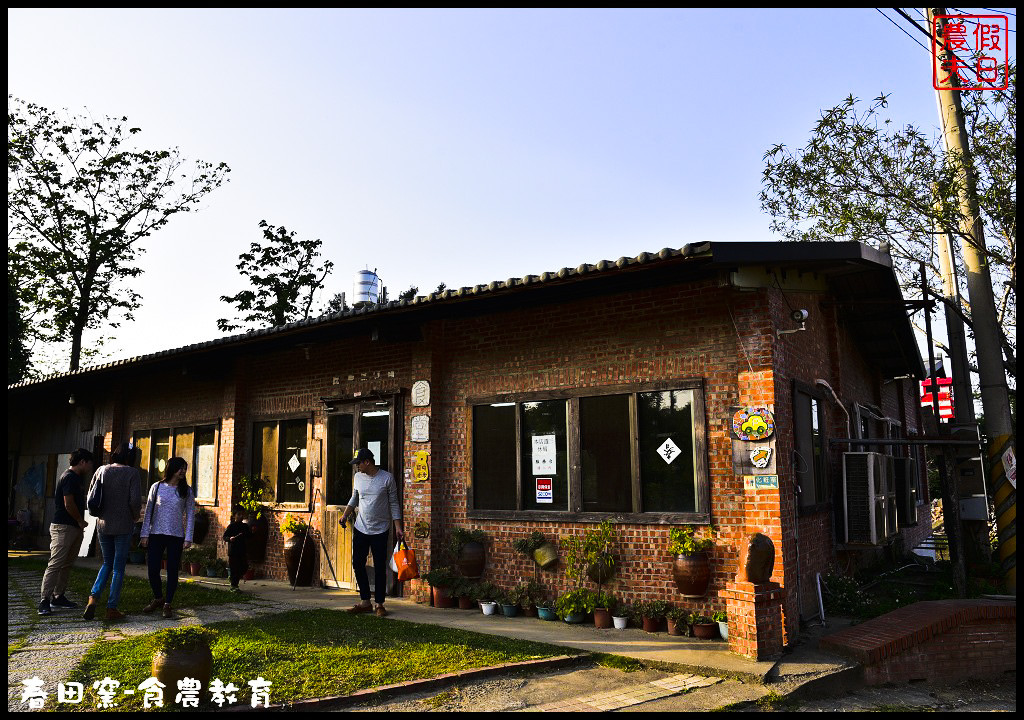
(375, 493)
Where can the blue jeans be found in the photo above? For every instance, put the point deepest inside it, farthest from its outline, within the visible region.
(115, 557)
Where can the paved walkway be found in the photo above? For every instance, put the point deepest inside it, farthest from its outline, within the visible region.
(50, 647)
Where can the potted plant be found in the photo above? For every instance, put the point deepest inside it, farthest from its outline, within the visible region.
(676, 620)
(537, 548)
(574, 605)
(620, 617)
(510, 601)
(722, 619)
(691, 568)
(597, 547)
(253, 492)
(216, 567)
(469, 549)
(183, 652)
(542, 600)
(465, 592)
(653, 612)
(299, 550)
(441, 581)
(196, 558)
(704, 627)
(534, 595)
(604, 609)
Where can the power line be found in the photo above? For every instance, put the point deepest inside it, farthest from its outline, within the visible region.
(898, 27)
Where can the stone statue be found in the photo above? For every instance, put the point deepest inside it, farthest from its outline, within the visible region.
(757, 559)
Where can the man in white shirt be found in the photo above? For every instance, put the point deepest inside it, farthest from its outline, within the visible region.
(375, 493)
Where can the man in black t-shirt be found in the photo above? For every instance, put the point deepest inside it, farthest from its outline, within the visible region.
(66, 531)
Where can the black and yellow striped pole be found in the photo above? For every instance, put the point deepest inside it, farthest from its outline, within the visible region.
(1001, 454)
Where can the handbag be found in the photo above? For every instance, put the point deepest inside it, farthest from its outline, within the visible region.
(404, 562)
(94, 501)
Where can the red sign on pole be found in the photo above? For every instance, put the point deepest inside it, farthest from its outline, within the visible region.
(971, 49)
(944, 396)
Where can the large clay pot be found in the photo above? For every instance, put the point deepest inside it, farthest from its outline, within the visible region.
(757, 559)
(471, 560)
(545, 556)
(652, 625)
(442, 599)
(466, 603)
(256, 545)
(172, 666)
(692, 574)
(705, 631)
(602, 618)
(293, 551)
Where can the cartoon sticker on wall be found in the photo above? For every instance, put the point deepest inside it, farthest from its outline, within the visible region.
(761, 457)
(753, 423)
(420, 468)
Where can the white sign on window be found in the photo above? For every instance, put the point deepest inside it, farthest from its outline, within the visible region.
(293, 464)
(669, 451)
(544, 455)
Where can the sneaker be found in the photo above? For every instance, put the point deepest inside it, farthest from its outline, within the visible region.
(360, 608)
(380, 611)
(44, 607)
(90, 609)
(153, 605)
(61, 601)
(168, 611)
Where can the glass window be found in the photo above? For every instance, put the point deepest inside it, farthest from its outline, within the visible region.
(264, 461)
(183, 449)
(667, 453)
(141, 441)
(291, 470)
(339, 457)
(373, 434)
(494, 456)
(605, 454)
(544, 455)
(160, 453)
(204, 469)
(809, 446)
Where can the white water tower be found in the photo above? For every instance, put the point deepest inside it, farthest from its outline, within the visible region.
(367, 287)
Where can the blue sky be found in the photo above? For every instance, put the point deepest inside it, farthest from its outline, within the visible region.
(456, 146)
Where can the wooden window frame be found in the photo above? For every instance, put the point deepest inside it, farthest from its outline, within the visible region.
(310, 421)
(192, 460)
(821, 504)
(702, 516)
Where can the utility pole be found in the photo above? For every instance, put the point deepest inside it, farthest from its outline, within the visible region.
(995, 398)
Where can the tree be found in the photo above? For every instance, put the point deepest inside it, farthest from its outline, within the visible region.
(18, 365)
(285, 278)
(859, 178)
(80, 202)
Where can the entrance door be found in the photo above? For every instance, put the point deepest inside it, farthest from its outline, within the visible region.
(350, 427)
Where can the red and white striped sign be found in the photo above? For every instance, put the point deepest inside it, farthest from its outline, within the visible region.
(944, 395)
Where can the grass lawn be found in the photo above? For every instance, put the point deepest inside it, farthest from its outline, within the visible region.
(314, 653)
(135, 592)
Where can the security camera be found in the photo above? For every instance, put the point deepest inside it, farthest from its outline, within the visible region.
(799, 315)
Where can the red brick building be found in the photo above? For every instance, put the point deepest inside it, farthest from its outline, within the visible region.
(546, 403)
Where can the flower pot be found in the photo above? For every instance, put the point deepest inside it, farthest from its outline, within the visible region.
(530, 610)
(675, 629)
(299, 547)
(601, 571)
(466, 603)
(212, 572)
(256, 545)
(488, 607)
(652, 625)
(545, 556)
(471, 560)
(442, 598)
(195, 568)
(602, 618)
(723, 630)
(692, 573)
(510, 610)
(620, 622)
(546, 613)
(575, 618)
(705, 631)
(171, 666)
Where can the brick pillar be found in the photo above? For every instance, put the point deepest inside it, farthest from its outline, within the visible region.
(755, 618)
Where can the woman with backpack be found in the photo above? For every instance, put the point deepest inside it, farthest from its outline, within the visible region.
(167, 525)
(116, 488)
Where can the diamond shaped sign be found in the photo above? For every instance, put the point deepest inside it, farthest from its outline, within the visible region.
(669, 451)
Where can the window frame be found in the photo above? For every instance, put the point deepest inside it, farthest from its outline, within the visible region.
(173, 431)
(824, 502)
(574, 513)
(279, 419)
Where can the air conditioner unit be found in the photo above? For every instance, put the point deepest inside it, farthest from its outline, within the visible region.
(866, 495)
(904, 474)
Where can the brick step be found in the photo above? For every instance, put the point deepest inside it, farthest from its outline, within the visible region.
(917, 632)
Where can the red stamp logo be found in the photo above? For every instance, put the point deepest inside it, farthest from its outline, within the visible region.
(971, 49)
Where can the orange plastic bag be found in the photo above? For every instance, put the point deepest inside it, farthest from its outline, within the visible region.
(405, 562)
